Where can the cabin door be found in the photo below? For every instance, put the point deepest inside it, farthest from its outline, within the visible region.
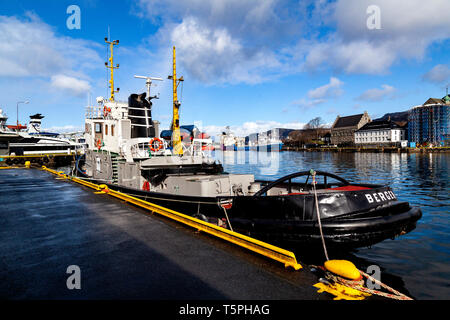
(98, 132)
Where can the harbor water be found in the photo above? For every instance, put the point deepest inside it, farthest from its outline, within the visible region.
(417, 263)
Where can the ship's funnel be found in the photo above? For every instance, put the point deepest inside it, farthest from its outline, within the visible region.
(35, 123)
(140, 114)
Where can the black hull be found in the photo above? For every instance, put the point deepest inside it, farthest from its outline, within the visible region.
(289, 221)
(344, 234)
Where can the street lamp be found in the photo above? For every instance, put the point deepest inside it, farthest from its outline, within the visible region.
(25, 102)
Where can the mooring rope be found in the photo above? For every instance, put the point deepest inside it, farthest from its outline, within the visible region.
(313, 173)
(228, 220)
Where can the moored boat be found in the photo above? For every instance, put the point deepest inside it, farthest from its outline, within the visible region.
(37, 142)
(126, 153)
(284, 211)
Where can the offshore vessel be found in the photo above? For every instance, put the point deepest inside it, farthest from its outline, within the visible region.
(266, 141)
(126, 153)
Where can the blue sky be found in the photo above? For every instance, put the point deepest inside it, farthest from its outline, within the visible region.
(248, 64)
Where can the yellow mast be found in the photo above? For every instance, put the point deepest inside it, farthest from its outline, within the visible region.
(176, 137)
(112, 67)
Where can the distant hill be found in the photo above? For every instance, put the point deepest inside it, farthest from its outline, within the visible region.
(395, 116)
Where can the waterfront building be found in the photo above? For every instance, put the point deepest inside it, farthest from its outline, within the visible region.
(381, 133)
(343, 129)
(429, 123)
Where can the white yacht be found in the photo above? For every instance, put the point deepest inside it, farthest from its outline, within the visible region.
(36, 142)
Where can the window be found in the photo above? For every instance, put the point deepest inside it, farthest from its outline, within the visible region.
(106, 129)
(98, 128)
(112, 130)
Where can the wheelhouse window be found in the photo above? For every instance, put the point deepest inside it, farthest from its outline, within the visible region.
(98, 128)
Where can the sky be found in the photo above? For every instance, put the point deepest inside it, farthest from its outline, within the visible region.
(252, 65)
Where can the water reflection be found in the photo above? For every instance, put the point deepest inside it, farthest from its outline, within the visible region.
(416, 263)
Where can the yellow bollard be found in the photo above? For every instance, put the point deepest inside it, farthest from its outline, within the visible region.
(343, 268)
(27, 164)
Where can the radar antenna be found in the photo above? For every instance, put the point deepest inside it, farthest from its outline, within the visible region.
(148, 84)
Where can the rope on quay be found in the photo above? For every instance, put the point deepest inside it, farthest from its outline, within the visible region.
(334, 282)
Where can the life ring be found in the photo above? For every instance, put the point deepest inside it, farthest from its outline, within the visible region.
(99, 144)
(106, 111)
(159, 146)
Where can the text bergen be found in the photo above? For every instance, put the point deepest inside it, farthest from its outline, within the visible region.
(380, 196)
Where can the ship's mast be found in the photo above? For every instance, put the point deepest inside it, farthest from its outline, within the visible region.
(176, 137)
(112, 67)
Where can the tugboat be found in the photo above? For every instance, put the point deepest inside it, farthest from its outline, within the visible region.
(126, 153)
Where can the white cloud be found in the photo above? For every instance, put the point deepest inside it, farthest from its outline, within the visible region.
(360, 57)
(401, 20)
(269, 39)
(438, 74)
(71, 85)
(224, 41)
(30, 47)
(331, 89)
(376, 94)
(322, 94)
(262, 22)
(64, 129)
(212, 55)
(307, 104)
(408, 28)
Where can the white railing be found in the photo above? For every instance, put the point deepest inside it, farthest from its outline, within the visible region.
(94, 112)
(140, 150)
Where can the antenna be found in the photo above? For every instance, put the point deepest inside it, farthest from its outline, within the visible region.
(176, 138)
(112, 67)
(148, 84)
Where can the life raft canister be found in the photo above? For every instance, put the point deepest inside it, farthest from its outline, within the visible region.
(158, 142)
(99, 144)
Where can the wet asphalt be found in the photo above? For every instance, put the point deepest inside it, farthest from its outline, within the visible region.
(123, 252)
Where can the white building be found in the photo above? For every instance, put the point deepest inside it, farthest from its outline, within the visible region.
(380, 132)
